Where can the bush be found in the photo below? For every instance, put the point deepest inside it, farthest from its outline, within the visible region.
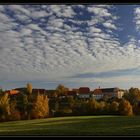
(66, 111)
(15, 116)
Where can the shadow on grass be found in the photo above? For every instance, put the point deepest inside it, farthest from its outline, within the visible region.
(74, 126)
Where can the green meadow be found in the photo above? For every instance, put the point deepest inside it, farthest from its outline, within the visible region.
(74, 126)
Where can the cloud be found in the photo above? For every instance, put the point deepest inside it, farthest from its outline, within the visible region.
(109, 25)
(53, 42)
(108, 74)
(137, 18)
(99, 11)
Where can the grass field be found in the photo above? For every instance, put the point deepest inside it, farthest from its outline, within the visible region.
(81, 125)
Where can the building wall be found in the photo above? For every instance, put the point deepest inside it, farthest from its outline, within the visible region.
(109, 94)
(84, 95)
(120, 94)
(97, 97)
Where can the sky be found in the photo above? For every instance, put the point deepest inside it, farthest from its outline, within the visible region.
(74, 45)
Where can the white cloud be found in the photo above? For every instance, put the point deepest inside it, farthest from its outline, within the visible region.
(55, 44)
(99, 11)
(62, 10)
(109, 25)
(39, 14)
(137, 18)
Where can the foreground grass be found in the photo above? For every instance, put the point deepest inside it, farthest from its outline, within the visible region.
(81, 125)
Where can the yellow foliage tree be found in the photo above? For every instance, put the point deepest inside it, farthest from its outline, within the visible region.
(29, 88)
(4, 107)
(125, 108)
(40, 107)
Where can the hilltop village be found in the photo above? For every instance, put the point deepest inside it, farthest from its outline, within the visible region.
(32, 103)
(81, 93)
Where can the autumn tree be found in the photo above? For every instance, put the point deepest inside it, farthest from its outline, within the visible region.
(93, 106)
(61, 90)
(114, 107)
(133, 95)
(14, 112)
(83, 108)
(40, 107)
(103, 107)
(71, 102)
(29, 100)
(125, 108)
(4, 107)
(29, 88)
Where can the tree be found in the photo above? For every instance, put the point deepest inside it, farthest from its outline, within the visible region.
(93, 106)
(24, 106)
(61, 90)
(1, 91)
(29, 88)
(133, 95)
(102, 107)
(125, 108)
(4, 107)
(56, 106)
(14, 112)
(40, 107)
(114, 107)
(70, 101)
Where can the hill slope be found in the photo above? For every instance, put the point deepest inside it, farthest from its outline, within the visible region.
(81, 125)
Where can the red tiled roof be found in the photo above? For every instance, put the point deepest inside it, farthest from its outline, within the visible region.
(97, 91)
(12, 92)
(71, 92)
(109, 89)
(104, 90)
(39, 91)
(84, 90)
(75, 89)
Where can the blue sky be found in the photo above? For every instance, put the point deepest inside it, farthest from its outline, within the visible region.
(74, 45)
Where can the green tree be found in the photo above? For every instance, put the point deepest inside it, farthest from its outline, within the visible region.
(56, 106)
(1, 91)
(24, 106)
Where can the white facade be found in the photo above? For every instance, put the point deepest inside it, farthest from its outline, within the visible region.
(97, 97)
(82, 96)
(120, 94)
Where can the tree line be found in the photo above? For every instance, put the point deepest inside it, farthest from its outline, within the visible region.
(28, 105)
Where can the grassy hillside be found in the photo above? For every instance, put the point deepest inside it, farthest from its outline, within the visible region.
(82, 125)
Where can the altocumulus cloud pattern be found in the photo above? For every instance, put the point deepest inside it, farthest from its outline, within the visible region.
(75, 45)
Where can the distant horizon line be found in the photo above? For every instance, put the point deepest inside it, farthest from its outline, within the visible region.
(70, 88)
